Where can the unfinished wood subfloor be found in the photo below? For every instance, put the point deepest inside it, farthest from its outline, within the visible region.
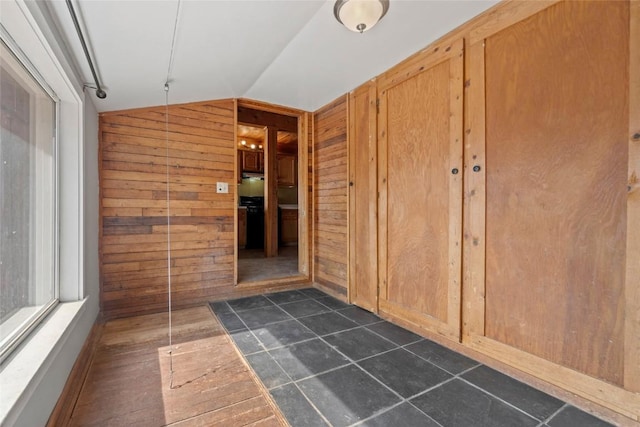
(129, 381)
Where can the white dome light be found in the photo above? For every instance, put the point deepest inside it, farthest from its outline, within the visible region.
(360, 15)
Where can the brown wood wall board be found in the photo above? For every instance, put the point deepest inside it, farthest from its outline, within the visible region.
(259, 117)
(473, 203)
(177, 140)
(632, 276)
(134, 206)
(363, 158)
(310, 187)
(271, 192)
(121, 140)
(202, 129)
(331, 193)
(420, 204)
(509, 13)
(556, 185)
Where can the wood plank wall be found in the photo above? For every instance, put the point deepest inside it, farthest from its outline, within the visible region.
(330, 199)
(133, 195)
(311, 211)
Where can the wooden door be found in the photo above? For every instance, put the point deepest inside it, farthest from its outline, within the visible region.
(252, 161)
(547, 272)
(420, 184)
(363, 228)
(289, 227)
(287, 170)
(242, 228)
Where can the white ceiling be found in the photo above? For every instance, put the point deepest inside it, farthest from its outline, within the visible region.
(288, 52)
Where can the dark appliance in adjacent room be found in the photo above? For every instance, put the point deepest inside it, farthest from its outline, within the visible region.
(255, 221)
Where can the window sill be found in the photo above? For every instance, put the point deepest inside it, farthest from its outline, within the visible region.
(17, 320)
(21, 373)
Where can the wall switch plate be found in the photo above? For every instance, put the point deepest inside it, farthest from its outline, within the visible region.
(222, 187)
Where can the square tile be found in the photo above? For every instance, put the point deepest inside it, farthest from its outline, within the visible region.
(313, 293)
(267, 370)
(249, 303)
(295, 407)
(574, 417)
(333, 303)
(359, 343)
(404, 414)
(404, 372)
(347, 395)
(304, 308)
(220, 307)
(394, 333)
(246, 342)
(441, 356)
(307, 358)
(327, 323)
(231, 322)
(459, 404)
(287, 296)
(534, 402)
(263, 316)
(283, 333)
(360, 316)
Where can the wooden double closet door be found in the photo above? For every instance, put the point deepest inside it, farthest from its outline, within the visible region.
(492, 194)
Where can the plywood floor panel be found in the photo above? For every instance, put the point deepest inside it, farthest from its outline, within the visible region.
(130, 381)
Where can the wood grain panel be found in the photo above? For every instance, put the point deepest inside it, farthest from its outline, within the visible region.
(134, 210)
(309, 118)
(420, 142)
(557, 156)
(330, 198)
(473, 307)
(363, 196)
(632, 279)
(417, 191)
(135, 378)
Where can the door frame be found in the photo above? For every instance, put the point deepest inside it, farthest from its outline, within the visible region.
(304, 214)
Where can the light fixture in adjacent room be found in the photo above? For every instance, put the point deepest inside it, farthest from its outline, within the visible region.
(360, 15)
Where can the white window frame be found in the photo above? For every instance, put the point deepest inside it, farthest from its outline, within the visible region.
(27, 375)
(20, 23)
(28, 318)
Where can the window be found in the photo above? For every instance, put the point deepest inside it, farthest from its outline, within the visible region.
(28, 266)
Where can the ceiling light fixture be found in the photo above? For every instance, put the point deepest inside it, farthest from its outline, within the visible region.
(360, 15)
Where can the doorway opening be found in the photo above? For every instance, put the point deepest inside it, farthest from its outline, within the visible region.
(269, 205)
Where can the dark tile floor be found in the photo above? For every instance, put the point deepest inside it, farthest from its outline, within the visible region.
(329, 363)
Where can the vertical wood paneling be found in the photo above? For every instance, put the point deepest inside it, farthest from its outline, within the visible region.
(330, 196)
(133, 188)
(632, 285)
(417, 192)
(310, 192)
(473, 308)
(305, 193)
(271, 193)
(420, 206)
(556, 185)
(363, 218)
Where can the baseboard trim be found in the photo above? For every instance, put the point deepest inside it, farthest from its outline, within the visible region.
(62, 412)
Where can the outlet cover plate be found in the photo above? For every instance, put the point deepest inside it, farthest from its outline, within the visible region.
(222, 187)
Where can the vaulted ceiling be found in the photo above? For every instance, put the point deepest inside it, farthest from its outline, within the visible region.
(291, 52)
